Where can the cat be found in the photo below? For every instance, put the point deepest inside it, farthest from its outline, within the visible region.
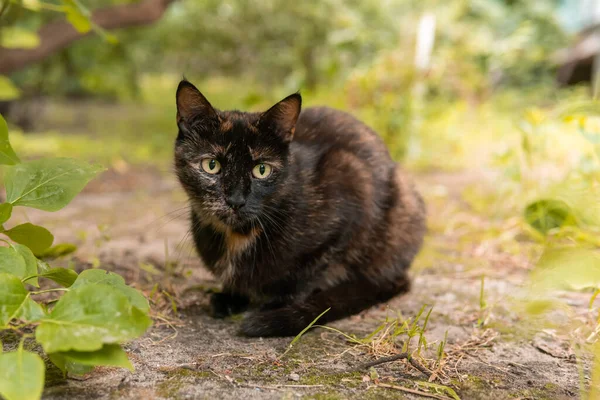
(294, 212)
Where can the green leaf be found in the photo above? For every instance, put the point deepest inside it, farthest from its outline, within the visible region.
(63, 276)
(5, 212)
(37, 238)
(86, 318)
(8, 91)
(31, 311)
(48, 184)
(111, 355)
(22, 375)
(58, 250)
(19, 38)
(545, 215)
(102, 277)
(31, 266)
(78, 16)
(65, 365)
(537, 306)
(7, 154)
(12, 296)
(79, 21)
(12, 262)
(567, 268)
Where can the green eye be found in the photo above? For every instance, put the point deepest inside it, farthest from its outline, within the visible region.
(261, 171)
(211, 165)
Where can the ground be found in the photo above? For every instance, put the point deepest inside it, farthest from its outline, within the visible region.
(135, 222)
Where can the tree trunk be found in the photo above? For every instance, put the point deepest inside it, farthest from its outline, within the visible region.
(57, 35)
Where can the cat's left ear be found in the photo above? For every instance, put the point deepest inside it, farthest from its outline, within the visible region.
(282, 117)
(192, 105)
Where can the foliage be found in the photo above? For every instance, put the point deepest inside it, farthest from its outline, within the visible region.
(479, 45)
(553, 171)
(73, 331)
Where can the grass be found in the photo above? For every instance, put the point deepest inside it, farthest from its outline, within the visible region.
(391, 341)
(298, 336)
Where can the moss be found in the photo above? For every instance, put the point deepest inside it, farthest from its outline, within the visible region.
(378, 393)
(268, 372)
(474, 387)
(178, 378)
(325, 396)
(475, 382)
(309, 347)
(316, 377)
(548, 392)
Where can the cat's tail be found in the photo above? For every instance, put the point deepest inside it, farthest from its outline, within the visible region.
(343, 300)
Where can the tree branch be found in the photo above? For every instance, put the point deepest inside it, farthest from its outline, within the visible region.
(59, 34)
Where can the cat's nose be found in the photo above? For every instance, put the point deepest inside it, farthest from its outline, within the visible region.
(236, 201)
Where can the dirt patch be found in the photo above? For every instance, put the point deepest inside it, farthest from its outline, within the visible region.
(135, 223)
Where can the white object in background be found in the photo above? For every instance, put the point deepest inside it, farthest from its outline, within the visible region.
(425, 40)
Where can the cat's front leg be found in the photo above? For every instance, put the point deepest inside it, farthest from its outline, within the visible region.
(224, 304)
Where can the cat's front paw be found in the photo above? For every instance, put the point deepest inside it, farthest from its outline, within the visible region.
(278, 322)
(223, 305)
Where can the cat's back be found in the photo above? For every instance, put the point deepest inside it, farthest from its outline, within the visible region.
(326, 129)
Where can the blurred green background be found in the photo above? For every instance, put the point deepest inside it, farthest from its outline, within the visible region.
(505, 86)
(109, 96)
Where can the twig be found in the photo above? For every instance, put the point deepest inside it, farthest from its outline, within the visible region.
(413, 391)
(396, 357)
(384, 360)
(420, 367)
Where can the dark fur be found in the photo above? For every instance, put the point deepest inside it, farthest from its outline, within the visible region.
(337, 224)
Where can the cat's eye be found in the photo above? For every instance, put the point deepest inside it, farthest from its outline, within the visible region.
(211, 165)
(261, 171)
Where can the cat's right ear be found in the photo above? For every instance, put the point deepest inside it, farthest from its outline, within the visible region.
(192, 107)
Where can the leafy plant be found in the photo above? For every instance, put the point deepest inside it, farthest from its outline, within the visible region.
(97, 310)
(558, 179)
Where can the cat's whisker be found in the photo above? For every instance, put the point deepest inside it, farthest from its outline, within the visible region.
(172, 216)
(266, 235)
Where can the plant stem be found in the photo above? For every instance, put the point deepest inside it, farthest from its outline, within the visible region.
(29, 277)
(51, 290)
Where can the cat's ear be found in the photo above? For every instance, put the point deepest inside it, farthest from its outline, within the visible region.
(282, 117)
(192, 106)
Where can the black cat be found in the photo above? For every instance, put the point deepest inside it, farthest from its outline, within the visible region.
(294, 212)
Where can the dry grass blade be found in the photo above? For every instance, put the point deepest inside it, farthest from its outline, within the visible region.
(414, 391)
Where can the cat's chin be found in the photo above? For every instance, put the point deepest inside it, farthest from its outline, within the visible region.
(233, 221)
(228, 222)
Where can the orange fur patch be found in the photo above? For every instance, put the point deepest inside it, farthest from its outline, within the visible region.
(226, 125)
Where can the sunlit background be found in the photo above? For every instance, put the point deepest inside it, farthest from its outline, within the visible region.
(491, 104)
(444, 82)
